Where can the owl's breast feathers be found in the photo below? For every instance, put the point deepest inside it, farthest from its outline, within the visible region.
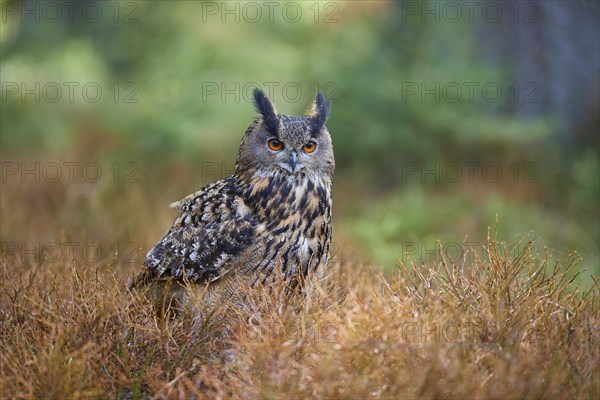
(238, 224)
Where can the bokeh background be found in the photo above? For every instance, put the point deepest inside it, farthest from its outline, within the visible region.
(450, 120)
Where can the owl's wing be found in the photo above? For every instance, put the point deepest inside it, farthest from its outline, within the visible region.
(213, 227)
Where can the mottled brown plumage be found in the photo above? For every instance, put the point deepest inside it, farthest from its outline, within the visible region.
(271, 218)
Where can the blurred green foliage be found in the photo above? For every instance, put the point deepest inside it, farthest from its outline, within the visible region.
(158, 64)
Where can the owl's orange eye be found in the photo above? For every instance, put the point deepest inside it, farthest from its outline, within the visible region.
(309, 147)
(275, 145)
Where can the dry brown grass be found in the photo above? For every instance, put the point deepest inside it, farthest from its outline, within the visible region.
(499, 327)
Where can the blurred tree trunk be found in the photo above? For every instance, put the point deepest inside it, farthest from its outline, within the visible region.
(551, 51)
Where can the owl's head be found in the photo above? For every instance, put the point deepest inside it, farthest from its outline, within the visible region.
(293, 145)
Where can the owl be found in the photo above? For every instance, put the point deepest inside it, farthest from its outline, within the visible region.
(268, 223)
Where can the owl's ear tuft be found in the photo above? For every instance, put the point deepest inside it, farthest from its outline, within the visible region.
(319, 112)
(265, 107)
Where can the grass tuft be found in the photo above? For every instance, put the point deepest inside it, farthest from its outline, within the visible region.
(504, 325)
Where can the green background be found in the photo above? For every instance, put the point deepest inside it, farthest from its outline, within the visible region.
(447, 118)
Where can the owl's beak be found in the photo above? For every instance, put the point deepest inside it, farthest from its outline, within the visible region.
(293, 161)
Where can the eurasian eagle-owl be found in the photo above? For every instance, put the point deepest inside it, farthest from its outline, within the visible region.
(272, 217)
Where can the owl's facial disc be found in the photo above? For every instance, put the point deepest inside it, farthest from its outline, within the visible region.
(292, 145)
